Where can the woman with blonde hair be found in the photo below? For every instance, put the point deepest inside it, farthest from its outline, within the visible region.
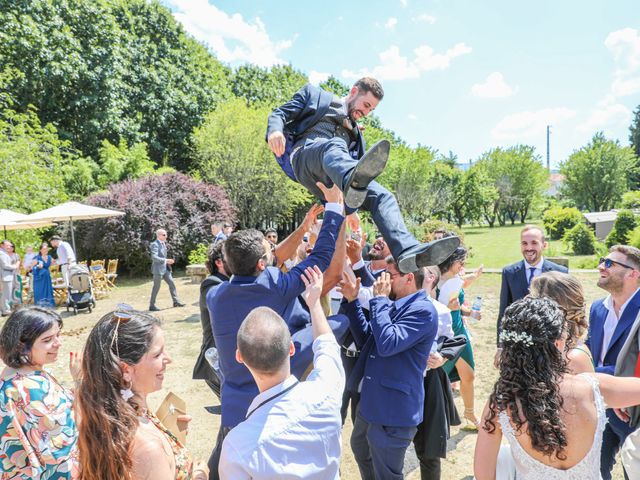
(567, 292)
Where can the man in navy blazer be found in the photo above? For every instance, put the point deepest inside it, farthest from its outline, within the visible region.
(315, 138)
(256, 282)
(610, 321)
(517, 277)
(395, 345)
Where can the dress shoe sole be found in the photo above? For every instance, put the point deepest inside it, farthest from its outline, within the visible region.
(432, 253)
(368, 168)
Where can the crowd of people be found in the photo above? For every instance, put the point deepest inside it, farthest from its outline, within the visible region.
(33, 270)
(298, 333)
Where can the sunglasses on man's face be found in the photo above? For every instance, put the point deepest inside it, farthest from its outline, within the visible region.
(608, 263)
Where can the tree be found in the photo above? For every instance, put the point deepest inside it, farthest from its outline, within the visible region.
(269, 87)
(230, 151)
(619, 235)
(634, 132)
(120, 162)
(184, 207)
(557, 220)
(110, 69)
(581, 240)
(597, 175)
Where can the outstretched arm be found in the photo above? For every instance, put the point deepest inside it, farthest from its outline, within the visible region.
(283, 115)
(485, 458)
(287, 248)
(333, 274)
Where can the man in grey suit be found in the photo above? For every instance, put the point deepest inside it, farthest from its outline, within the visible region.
(161, 269)
(7, 271)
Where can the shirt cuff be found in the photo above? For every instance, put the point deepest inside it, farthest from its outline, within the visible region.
(333, 207)
(358, 265)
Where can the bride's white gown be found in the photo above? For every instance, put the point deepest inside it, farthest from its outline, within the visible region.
(528, 468)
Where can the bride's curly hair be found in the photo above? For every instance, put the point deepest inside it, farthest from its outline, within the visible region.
(531, 369)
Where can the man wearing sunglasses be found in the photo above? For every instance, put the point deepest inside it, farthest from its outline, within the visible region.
(610, 322)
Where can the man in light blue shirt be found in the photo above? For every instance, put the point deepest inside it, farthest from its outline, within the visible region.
(292, 428)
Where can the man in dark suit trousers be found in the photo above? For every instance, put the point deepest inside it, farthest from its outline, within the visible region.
(161, 270)
(218, 274)
(257, 283)
(610, 321)
(395, 345)
(315, 138)
(517, 277)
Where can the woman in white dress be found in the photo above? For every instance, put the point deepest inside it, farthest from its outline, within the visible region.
(552, 419)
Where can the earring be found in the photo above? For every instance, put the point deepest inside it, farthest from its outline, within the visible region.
(127, 393)
(25, 359)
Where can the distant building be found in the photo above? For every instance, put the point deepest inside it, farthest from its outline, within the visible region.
(603, 221)
(555, 184)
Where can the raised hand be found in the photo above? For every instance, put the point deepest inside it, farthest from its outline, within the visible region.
(331, 195)
(311, 217)
(353, 221)
(276, 143)
(312, 278)
(349, 287)
(75, 366)
(382, 286)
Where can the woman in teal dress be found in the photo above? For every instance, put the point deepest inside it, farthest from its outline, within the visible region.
(37, 424)
(42, 287)
(463, 369)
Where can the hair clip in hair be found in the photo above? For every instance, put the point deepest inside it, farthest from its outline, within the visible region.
(126, 394)
(121, 314)
(516, 337)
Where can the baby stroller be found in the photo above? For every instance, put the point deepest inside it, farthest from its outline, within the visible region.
(80, 292)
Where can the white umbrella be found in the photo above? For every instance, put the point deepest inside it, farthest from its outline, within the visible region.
(71, 211)
(10, 220)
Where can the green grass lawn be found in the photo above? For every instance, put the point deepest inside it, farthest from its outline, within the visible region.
(500, 246)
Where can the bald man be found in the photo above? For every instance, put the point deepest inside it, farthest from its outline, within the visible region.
(290, 426)
(161, 270)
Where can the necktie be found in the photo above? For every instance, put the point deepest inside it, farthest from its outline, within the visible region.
(531, 272)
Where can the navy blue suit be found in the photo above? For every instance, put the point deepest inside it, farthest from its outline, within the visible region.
(515, 284)
(616, 431)
(330, 161)
(395, 345)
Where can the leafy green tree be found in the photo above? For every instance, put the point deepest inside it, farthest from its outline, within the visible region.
(110, 69)
(120, 162)
(557, 220)
(619, 235)
(634, 131)
(581, 240)
(267, 86)
(332, 84)
(230, 151)
(597, 175)
(631, 200)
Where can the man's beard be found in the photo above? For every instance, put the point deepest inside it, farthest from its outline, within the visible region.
(611, 284)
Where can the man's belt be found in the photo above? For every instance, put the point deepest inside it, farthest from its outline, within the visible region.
(350, 353)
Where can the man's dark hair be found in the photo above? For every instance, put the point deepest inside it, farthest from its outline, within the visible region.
(55, 237)
(214, 252)
(21, 330)
(369, 84)
(270, 230)
(242, 250)
(264, 340)
(418, 275)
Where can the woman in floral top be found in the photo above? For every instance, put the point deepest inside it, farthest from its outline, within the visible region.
(119, 438)
(37, 428)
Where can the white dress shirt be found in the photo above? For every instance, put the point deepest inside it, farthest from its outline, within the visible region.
(536, 272)
(298, 433)
(65, 254)
(445, 322)
(610, 324)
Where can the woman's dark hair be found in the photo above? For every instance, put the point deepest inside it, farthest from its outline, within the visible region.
(42, 245)
(458, 255)
(531, 369)
(21, 330)
(109, 423)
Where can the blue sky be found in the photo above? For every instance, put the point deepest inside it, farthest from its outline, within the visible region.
(459, 75)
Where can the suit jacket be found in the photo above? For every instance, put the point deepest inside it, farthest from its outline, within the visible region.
(626, 363)
(158, 257)
(7, 270)
(597, 317)
(202, 370)
(515, 285)
(396, 344)
(295, 117)
(230, 302)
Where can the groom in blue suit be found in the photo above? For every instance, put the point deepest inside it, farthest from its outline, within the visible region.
(610, 321)
(315, 138)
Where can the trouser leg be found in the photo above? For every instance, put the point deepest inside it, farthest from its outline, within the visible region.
(154, 291)
(214, 459)
(610, 446)
(172, 286)
(360, 448)
(429, 467)
(388, 447)
(7, 288)
(329, 162)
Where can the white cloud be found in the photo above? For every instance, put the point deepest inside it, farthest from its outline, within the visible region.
(426, 18)
(391, 23)
(625, 46)
(412, 116)
(606, 116)
(394, 66)
(316, 78)
(230, 37)
(493, 87)
(530, 124)
(403, 3)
